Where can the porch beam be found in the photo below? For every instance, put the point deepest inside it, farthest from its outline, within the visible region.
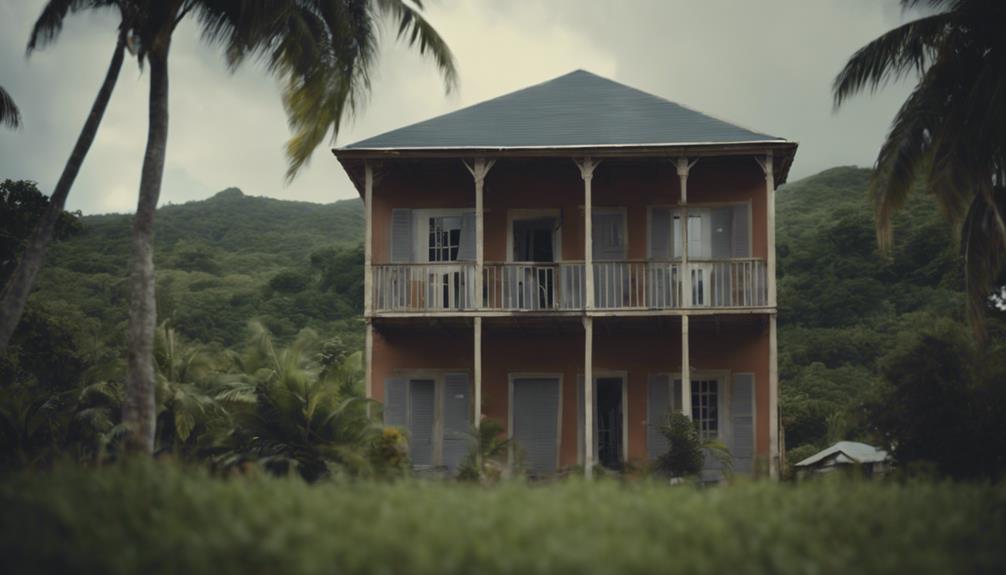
(478, 370)
(588, 397)
(479, 170)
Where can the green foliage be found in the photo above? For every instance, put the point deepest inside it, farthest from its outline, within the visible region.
(684, 455)
(21, 208)
(486, 461)
(151, 517)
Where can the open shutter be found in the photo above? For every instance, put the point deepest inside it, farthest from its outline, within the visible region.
(661, 240)
(466, 251)
(721, 220)
(658, 402)
(422, 399)
(457, 419)
(742, 423)
(401, 235)
(741, 244)
(395, 402)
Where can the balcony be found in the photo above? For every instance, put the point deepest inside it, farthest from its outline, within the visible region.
(449, 288)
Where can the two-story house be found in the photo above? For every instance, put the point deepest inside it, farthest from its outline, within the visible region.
(575, 231)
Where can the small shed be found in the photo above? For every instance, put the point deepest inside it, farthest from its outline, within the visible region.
(846, 455)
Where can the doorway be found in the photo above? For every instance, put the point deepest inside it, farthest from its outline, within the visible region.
(534, 245)
(609, 422)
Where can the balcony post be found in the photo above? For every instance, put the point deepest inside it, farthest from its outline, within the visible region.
(588, 397)
(587, 166)
(479, 170)
(773, 363)
(767, 167)
(478, 370)
(683, 167)
(368, 276)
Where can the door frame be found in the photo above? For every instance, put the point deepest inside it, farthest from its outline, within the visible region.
(513, 215)
(603, 373)
(558, 419)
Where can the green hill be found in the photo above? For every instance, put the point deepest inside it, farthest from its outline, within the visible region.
(221, 262)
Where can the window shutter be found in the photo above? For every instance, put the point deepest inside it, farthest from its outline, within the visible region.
(401, 235)
(535, 420)
(466, 251)
(395, 394)
(661, 240)
(608, 231)
(658, 403)
(741, 230)
(457, 419)
(742, 423)
(721, 232)
(422, 398)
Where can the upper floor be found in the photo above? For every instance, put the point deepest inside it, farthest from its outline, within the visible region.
(613, 228)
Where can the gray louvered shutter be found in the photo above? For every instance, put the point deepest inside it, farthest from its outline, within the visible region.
(658, 402)
(535, 420)
(741, 244)
(742, 423)
(466, 251)
(457, 419)
(720, 218)
(395, 402)
(608, 231)
(661, 238)
(422, 400)
(401, 235)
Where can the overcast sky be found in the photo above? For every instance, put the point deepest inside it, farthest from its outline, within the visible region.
(765, 65)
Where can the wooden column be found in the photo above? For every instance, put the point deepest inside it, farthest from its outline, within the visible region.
(479, 170)
(478, 371)
(587, 166)
(770, 269)
(588, 397)
(368, 275)
(686, 289)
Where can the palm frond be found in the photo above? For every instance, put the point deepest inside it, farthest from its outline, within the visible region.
(906, 49)
(49, 23)
(10, 116)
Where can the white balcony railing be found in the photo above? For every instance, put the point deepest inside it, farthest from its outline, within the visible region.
(621, 285)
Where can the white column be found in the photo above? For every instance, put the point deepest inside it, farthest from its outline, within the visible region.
(683, 168)
(588, 397)
(773, 399)
(587, 166)
(368, 276)
(479, 170)
(770, 227)
(478, 371)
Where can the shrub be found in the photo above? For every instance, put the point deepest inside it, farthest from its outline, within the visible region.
(684, 454)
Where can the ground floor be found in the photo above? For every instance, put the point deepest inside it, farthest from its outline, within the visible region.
(531, 375)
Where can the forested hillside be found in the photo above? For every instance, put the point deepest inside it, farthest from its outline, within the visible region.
(220, 263)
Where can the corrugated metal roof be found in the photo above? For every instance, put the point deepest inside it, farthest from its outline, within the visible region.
(578, 109)
(857, 452)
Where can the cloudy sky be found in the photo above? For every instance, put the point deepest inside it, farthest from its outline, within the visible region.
(765, 65)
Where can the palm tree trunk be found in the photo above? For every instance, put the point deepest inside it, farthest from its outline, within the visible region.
(15, 294)
(139, 410)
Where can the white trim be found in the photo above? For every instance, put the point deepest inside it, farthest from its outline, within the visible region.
(516, 214)
(421, 229)
(724, 377)
(350, 147)
(511, 376)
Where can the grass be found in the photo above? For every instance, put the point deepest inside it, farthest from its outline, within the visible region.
(147, 517)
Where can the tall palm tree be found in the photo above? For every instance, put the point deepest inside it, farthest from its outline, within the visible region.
(324, 51)
(46, 30)
(950, 132)
(10, 116)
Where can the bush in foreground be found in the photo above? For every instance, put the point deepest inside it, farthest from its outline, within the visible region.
(146, 517)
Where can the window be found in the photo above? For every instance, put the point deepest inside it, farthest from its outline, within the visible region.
(435, 409)
(698, 247)
(444, 238)
(705, 407)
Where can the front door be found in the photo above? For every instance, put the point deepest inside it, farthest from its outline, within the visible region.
(609, 422)
(535, 418)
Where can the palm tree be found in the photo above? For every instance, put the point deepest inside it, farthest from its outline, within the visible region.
(950, 132)
(324, 51)
(46, 30)
(10, 116)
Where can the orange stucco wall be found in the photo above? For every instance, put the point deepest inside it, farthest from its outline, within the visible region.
(742, 349)
(556, 184)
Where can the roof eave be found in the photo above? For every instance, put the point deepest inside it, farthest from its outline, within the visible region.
(350, 157)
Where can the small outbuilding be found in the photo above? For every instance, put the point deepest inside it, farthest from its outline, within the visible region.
(846, 455)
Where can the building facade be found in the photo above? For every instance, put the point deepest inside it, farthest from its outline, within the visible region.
(575, 231)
